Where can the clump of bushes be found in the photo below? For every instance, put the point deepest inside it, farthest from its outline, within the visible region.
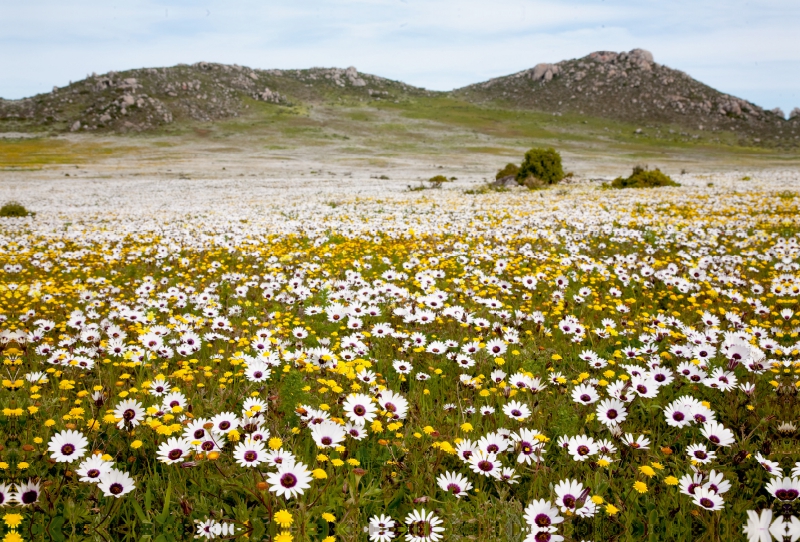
(541, 167)
(437, 180)
(643, 178)
(14, 209)
(510, 170)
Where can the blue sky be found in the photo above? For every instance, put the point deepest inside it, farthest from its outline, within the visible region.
(745, 48)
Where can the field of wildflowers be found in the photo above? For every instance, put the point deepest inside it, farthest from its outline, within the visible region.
(563, 365)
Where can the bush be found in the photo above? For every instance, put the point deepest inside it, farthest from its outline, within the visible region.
(437, 180)
(510, 170)
(643, 178)
(541, 167)
(13, 209)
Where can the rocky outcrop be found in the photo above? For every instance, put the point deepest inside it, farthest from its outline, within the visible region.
(631, 87)
(145, 99)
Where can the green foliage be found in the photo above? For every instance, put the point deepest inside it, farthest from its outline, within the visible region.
(509, 170)
(643, 178)
(13, 209)
(541, 167)
(437, 180)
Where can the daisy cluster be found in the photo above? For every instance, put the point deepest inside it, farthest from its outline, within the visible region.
(580, 366)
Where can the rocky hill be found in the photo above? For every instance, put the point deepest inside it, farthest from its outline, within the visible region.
(143, 99)
(632, 87)
(627, 87)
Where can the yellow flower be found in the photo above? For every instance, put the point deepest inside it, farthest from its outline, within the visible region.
(611, 510)
(13, 536)
(330, 518)
(285, 536)
(329, 539)
(671, 481)
(13, 520)
(647, 471)
(283, 518)
(275, 443)
(353, 462)
(136, 444)
(466, 427)
(319, 474)
(23, 465)
(657, 465)
(597, 499)
(337, 462)
(641, 487)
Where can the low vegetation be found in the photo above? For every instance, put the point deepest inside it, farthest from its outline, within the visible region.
(644, 178)
(541, 167)
(13, 209)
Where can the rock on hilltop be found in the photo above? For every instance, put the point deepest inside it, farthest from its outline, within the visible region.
(632, 87)
(143, 99)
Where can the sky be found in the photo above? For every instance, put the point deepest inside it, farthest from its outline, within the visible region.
(747, 49)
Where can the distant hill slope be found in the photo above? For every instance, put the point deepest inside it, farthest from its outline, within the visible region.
(143, 99)
(631, 87)
(626, 87)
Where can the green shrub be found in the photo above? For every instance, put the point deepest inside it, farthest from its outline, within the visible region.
(541, 167)
(14, 209)
(508, 171)
(437, 180)
(643, 178)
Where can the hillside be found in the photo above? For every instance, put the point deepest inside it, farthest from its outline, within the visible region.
(632, 87)
(144, 99)
(629, 89)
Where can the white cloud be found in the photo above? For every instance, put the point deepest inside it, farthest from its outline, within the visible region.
(749, 49)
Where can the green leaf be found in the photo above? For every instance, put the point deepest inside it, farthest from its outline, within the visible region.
(139, 512)
(165, 512)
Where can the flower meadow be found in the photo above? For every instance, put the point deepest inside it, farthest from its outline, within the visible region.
(573, 365)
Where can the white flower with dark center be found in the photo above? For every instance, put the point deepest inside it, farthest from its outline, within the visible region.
(26, 494)
(224, 422)
(717, 483)
(173, 450)
(394, 404)
(517, 410)
(528, 446)
(130, 412)
(772, 467)
(359, 407)
(584, 394)
(423, 526)
(485, 464)
(699, 453)
(328, 434)
(67, 446)
(250, 453)
(159, 387)
(611, 412)
(708, 499)
(785, 489)
(355, 430)
(257, 371)
(455, 483)
(678, 414)
(541, 515)
(381, 528)
(93, 468)
(116, 483)
(291, 480)
(718, 434)
(570, 494)
(582, 447)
